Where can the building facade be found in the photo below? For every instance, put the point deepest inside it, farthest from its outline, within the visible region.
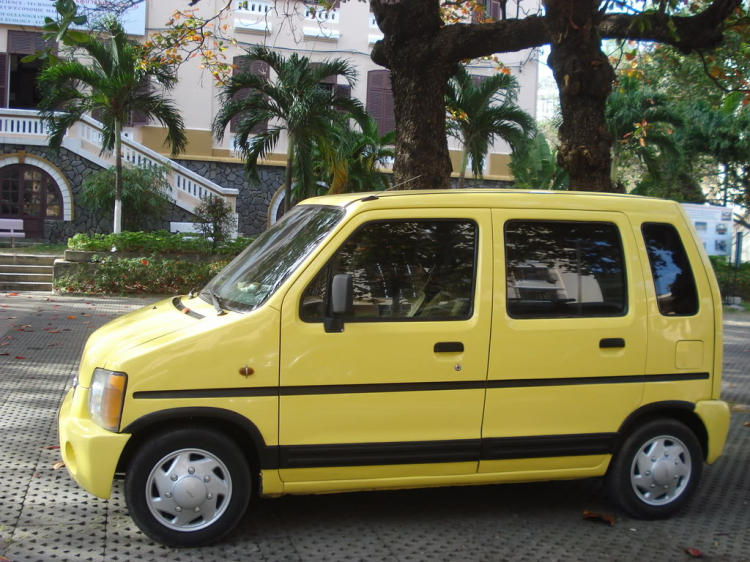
(42, 187)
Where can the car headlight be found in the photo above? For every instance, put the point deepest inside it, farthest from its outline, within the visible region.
(106, 398)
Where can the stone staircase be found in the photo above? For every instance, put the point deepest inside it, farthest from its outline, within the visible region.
(19, 272)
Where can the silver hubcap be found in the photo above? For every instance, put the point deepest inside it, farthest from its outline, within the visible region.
(188, 490)
(661, 470)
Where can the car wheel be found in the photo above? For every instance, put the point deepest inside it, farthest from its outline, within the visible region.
(187, 487)
(656, 470)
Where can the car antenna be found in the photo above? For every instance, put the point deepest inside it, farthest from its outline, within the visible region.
(403, 182)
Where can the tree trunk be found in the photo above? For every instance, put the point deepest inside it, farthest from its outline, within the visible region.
(288, 175)
(117, 222)
(421, 143)
(584, 78)
(464, 164)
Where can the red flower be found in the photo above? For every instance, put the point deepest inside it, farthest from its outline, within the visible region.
(144, 262)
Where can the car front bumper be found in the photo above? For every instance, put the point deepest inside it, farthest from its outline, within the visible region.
(90, 453)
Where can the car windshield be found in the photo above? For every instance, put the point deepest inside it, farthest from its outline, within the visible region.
(253, 276)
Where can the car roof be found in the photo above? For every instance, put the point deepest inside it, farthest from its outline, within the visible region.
(498, 198)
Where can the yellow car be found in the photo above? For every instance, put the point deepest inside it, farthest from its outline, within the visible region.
(409, 339)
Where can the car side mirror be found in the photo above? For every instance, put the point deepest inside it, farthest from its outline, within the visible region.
(342, 302)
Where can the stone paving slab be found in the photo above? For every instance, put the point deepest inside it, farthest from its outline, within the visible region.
(45, 516)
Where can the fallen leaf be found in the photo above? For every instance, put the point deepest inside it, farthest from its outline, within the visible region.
(58, 465)
(87, 322)
(4, 353)
(746, 424)
(53, 447)
(53, 331)
(599, 516)
(71, 317)
(36, 475)
(739, 408)
(20, 357)
(694, 552)
(4, 559)
(12, 295)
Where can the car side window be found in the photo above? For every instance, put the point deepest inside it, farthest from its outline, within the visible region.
(676, 292)
(564, 269)
(402, 270)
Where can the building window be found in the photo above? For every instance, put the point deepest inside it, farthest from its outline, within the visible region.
(241, 64)
(380, 100)
(18, 79)
(562, 269)
(29, 193)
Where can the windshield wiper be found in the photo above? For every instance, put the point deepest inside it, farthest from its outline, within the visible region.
(216, 299)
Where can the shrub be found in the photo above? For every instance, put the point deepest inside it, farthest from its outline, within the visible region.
(215, 219)
(145, 193)
(139, 275)
(153, 243)
(732, 281)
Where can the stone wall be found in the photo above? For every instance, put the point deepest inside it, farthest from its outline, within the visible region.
(253, 200)
(76, 169)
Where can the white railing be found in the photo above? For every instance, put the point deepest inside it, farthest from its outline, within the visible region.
(20, 122)
(317, 13)
(186, 186)
(255, 9)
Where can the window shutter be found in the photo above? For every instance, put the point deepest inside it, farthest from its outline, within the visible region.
(343, 90)
(241, 64)
(26, 43)
(3, 79)
(380, 100)
(477, 79)
(139, 118)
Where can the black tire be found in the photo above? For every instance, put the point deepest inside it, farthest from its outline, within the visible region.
(642, 467)
(159, 484)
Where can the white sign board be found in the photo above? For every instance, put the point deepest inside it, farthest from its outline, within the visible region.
(32, 13)
(714, 226)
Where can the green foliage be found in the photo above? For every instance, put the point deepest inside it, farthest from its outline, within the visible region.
(480, 114)
(534, 166)
(356, 156)
(732, 281)
(114, 83)
(139, 275)
(215, 219)
(642, 122)
(145, 193)
(297, 103)
(154, 243)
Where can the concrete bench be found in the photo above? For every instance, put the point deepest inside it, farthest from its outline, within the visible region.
(186, 227)
(12, 228)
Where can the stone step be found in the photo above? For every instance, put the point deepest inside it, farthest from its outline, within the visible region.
(13, 268)
(26, 259)
(18, 286)
(26, 277)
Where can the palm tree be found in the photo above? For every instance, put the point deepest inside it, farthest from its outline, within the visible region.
(298, 104)
(113, 82)
(641, 120)
(479, 114)
(357, 156)
(535, 166)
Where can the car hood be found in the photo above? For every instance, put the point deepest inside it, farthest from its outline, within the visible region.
(129, 331)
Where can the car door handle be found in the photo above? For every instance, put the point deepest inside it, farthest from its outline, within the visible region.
(449, 347)
(609, 343)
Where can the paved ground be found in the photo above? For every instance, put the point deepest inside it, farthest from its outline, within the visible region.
(44, 516)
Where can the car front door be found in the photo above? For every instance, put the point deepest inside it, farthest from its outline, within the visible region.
(400, 391)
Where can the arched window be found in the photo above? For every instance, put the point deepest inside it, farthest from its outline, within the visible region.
(29, 193)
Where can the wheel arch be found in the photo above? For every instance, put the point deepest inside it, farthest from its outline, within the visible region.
(242, 430)
(679, 410)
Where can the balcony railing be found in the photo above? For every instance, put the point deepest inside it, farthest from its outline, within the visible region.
(317, 13)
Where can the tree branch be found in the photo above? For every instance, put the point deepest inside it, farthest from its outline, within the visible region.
(469, 41)
(686, 33)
